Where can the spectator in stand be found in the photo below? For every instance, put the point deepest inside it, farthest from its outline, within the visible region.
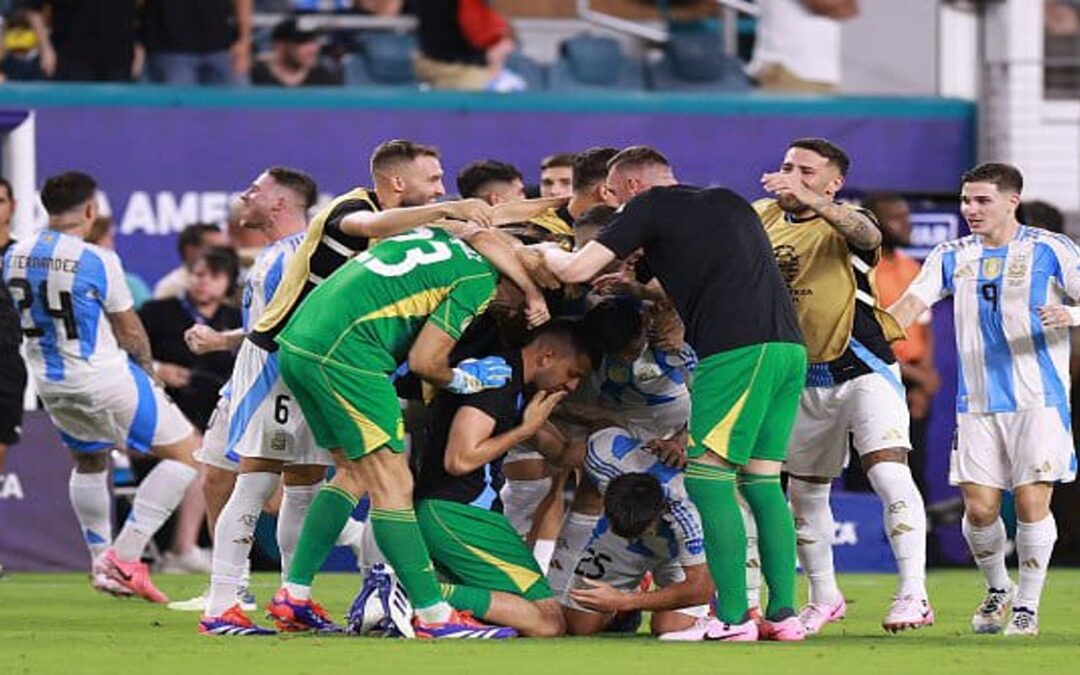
(21, 52)
(1042, 215)
(557, 175)
(892, 275)
(103, 234)
(197, 41)
(193, 381)
(192, 241)
(464, 45)
(798, 44)
(88, 41)
(294, 60)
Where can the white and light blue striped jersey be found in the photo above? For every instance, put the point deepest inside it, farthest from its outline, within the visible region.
(615, 452)
(265, 275)
(650, 396)
(1008, 360)
(63, 289)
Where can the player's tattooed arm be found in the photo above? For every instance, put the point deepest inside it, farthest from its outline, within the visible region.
(131, 336)
(858, 228)
(499, 249)
(907, 309)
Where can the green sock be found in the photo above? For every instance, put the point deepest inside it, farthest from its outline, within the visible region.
(468, 598)
(712, 489)
(399, 538)
(776, 540)
(328, 513)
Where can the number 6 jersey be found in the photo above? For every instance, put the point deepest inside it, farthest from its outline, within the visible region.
(63, 288)
(1008, 360)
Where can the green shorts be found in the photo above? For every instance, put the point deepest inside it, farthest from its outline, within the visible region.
(476, 547)
(353, 411)
(744, 401)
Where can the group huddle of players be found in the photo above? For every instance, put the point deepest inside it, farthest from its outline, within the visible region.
(663, 350)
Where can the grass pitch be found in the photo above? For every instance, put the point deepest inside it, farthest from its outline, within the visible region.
(54, 623)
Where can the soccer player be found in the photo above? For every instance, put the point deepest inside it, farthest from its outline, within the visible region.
(267, 431)
(12, 368)
(1008, 284)
(826, 252)
(276, 205)
(408, 298)
(648, 525)
(740, 322)
(491, 571)
(493, 181)
(557, 175)
(90, 360)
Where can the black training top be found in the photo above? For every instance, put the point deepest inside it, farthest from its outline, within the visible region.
(709, 250)
(481, 487)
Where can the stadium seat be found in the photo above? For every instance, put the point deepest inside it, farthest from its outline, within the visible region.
(533, 72)
(589, 62)
(383, 59)
(696, 62)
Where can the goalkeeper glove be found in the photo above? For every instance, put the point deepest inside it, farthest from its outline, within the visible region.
(473, 375)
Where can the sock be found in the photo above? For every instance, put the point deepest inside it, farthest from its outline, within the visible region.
(753, 560)
(575, 533)
(1034, 543)
(712, 489)
(987, 546)
(777, 544)
(543, 550)
(295, 501)
(328, 513)
(89, 494)
(467, 598)
(155, 499)
(233, 536)
(352, 535)
(814, 530)
(905, 523)
(400, 540)
(370, 553)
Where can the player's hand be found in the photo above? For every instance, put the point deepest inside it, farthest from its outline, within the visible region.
(532, 260)
(475, 210)
(475, 375)
(670, 451)
(601, 597)
(173, 375)
(780, 183)
(536, 310)
(1055, 316)
(540, 408)
(202, 339)
(522, 210)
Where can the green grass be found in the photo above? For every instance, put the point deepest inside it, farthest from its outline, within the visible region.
(55, 623)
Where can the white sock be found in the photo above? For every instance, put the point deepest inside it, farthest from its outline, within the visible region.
(814, 530)
(987, 546)
(233, 537)
(575, 533)
(155, 499)
(437, 613)
(753, 559)
(543, 550)
(1034, 544)
(294, 507)
(89, 494)
(352, 535)
(905, 523)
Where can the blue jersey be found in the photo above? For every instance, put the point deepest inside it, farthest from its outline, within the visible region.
(63, 289)
(650, 396)
(1008, 360)
(265, 275)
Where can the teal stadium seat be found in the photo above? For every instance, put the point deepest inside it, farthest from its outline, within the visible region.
(696, 62)
(590, 63)
(382, 59)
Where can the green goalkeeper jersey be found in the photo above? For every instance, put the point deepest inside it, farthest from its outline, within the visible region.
(366, 316)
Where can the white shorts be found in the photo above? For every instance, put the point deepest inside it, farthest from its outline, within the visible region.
(1008, 449)
(122, 409)
(872, 408)
(520, 499)
(265, 421)
(215, 438)
(611, 559)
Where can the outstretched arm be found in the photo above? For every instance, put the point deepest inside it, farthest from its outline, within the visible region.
(499, 249)
(382, 224)
(579, 267)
